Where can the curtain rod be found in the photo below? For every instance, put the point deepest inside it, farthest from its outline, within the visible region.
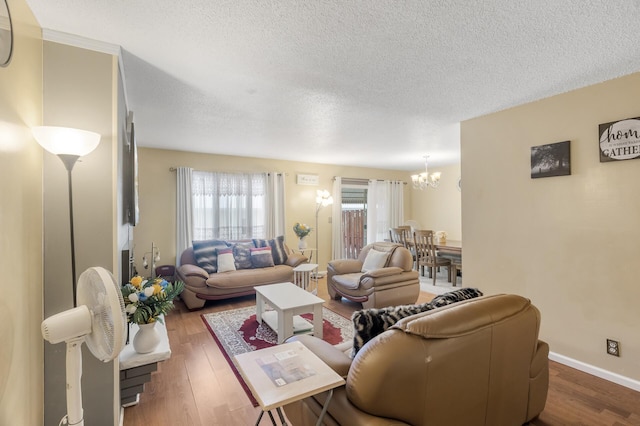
(362, 180)
(173, 169)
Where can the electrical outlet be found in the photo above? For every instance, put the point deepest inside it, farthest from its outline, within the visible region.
(613, 347)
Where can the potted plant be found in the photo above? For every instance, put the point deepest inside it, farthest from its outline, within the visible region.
(302, 230)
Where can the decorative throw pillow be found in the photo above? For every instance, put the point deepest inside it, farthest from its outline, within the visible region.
(261, 257)
(375, 260)
(242, 255)
(277, 248)
(368, 323)
(455, 296)
(259, 243)
(205, 253)
(225, 260)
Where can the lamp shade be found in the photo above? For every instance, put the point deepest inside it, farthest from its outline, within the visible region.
(324, 197)
(65, 140)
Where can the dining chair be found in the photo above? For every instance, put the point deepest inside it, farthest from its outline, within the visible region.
(426, 254)
(400, 235)
(413, 224)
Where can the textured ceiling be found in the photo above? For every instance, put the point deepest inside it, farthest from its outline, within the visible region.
(364, 83)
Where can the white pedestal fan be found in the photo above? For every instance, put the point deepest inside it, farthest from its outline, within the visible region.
(99, 320)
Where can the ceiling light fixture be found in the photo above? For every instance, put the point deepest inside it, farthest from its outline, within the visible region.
(425, 180)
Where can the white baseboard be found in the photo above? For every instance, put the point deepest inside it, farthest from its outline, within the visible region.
(596, 371)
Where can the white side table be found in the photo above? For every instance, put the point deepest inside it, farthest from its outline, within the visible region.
(136, 369)
(286, 373)
(305, 276)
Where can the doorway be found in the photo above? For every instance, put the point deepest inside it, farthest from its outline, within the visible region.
(354, 219)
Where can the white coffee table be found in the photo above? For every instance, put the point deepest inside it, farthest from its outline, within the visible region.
(282, 374)
(288, 302)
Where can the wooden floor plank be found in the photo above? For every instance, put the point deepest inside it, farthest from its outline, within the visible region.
(196, 386)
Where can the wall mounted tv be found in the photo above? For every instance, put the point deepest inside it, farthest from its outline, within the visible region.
(131, 212)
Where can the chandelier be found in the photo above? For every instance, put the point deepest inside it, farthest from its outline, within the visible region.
(425, 180)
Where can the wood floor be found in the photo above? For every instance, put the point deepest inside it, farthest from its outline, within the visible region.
(197, 387)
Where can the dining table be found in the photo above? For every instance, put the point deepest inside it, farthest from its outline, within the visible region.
(450, 247)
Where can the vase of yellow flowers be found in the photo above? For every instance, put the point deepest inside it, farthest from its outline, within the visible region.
(302, 230)
(146, 300)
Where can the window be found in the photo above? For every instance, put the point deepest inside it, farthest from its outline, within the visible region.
(229, 206)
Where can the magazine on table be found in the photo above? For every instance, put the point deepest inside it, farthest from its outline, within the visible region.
(285, 367)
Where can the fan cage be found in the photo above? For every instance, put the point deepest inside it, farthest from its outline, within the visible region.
(99, 291)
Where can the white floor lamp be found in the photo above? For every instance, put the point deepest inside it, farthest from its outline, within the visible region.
(69, 145)
(323, 199)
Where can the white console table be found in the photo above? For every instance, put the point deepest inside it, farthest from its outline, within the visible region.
(136, 369)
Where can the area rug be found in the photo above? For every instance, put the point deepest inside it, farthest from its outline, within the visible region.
(236, 331)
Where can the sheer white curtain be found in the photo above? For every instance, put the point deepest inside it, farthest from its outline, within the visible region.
(229, 206)
(275, 202)
(385, 201)
(184, 224)
(237, 206)
(337, 246)
(396, 203)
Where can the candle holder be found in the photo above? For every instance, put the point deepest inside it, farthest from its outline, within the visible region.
(155, 257)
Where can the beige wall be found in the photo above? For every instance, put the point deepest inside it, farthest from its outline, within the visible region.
(80, 90)
(439, 209)
(21, 358)
(569, 243)
(157, 187)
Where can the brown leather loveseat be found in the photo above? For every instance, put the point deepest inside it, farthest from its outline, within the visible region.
(475, 362)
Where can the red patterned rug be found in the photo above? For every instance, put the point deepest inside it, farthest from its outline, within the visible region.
(236, 331)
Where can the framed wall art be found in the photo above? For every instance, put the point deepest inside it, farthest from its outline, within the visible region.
(308, 180)
(553, 159)
(619, 140)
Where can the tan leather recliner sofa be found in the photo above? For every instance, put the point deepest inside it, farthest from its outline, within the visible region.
(396, 283)
(475, 362)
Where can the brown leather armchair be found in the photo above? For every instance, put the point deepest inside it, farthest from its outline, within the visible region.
(394, 283)
(476, 362)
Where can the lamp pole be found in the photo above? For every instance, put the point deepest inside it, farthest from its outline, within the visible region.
(323, 199)
(69, 161)
(318, 206)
